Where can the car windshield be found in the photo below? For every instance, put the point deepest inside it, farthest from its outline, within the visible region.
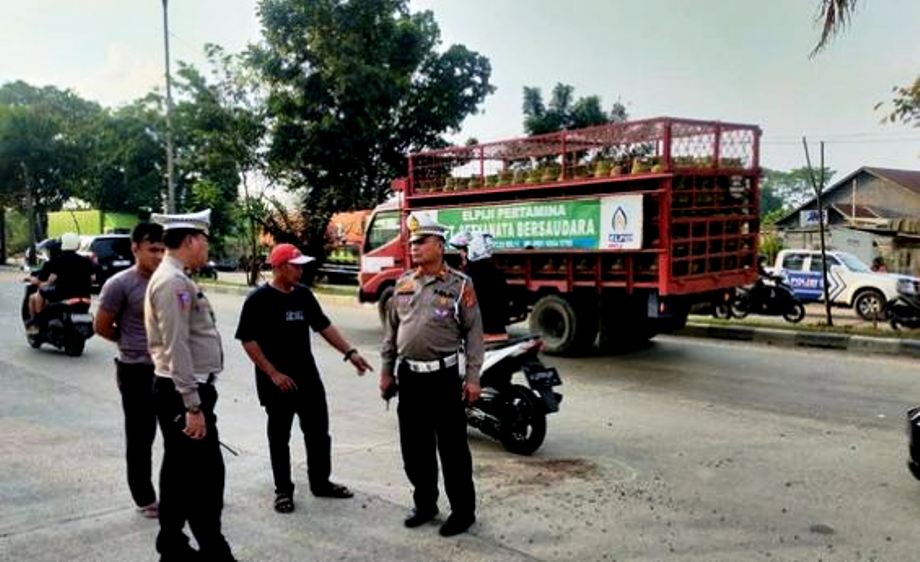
(853, 263)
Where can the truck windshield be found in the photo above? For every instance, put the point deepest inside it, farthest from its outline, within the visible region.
(853, 263)
(383, 228)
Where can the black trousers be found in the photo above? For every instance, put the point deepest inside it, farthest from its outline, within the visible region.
(191, 478)
(135, 383)
(308, 402)
(432, 422)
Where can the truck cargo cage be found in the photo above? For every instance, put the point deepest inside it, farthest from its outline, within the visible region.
(699, 182)
(612, 151)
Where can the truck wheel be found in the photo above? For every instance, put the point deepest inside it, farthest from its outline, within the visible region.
(869, 305)
(563, 328)
(383, 303)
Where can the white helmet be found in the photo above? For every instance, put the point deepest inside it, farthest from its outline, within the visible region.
(460, 240)
(480, 246)
(70, 241)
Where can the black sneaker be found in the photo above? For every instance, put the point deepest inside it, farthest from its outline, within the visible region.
(456, 524)
(418, 517)
(331, 490)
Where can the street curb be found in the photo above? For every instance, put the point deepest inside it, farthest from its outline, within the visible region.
(792, 338)
(340, 300)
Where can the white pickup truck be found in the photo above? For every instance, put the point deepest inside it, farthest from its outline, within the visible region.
(850, 282)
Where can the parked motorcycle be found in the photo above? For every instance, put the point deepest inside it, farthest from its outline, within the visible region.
(770, 297)
(65, 325)
(904, 310)
(913, 441)
(513, 413)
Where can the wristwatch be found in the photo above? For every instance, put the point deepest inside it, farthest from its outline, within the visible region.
(349, 353)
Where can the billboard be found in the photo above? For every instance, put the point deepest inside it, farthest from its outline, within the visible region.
(607, 223)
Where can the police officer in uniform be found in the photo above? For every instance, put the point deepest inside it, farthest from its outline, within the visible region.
(186, 352)
(433, 318)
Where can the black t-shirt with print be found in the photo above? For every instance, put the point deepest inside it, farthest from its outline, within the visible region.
(280, 323)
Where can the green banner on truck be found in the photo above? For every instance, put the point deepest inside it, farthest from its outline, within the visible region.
(607, 223)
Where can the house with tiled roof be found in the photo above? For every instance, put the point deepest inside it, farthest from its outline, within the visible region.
(872, 212)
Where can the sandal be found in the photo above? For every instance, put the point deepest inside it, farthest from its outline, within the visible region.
(284, 503)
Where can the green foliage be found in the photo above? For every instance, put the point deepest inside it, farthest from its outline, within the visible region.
(905, 105)
(834, 16)
(44, 137)
(564, 112)
(790, 188)
(770, 246)
(353, 86)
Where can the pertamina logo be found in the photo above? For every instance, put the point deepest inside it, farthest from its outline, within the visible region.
(619, 224)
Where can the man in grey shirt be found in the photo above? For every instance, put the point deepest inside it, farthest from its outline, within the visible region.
(120, 319)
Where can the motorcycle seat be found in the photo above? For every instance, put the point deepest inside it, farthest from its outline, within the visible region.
(513, 340)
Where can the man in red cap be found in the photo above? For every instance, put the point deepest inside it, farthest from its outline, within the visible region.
(274, 328)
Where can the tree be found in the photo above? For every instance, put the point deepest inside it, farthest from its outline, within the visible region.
(127, 165)
(906, 105)
(791, 189)
(353, 86)
(834, 16)
(218, 130)
(43, 147)
(564, 112)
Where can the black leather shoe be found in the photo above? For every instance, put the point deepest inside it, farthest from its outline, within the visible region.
(456, 524)
(418, 517)
(331, 490)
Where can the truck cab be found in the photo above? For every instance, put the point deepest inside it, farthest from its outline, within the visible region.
(383, 256)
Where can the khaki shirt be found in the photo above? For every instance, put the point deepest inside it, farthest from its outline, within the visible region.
(428, 318)
(181, 331)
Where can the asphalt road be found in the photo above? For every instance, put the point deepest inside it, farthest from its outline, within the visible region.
(686, 450)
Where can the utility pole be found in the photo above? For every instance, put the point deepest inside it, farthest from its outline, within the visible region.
(818, 189)
(170, 165)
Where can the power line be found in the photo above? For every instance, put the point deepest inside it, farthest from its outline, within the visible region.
(849, 141)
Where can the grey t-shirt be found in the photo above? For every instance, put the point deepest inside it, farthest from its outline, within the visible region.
(123, 296)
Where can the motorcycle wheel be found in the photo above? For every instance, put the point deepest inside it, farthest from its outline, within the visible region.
(722, 311)
(740, 306)
(524, 425)
(34, 341)
(795, 314)
(74, 347)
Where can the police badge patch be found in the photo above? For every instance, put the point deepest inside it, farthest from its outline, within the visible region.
(185, 299)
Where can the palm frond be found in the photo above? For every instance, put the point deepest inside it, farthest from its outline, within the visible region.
(834, 15)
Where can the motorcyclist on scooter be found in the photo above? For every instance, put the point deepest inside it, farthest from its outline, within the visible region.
(761, 292)
(489, 281)
(64, 276)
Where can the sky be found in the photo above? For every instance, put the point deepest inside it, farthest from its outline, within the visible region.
(731, 60)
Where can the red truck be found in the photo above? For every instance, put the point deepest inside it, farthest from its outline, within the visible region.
(614, 230)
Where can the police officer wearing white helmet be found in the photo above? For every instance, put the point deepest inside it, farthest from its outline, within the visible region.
(187, 356)
(432, 316)
(64, 276)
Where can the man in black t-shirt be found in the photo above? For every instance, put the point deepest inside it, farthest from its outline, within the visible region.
(274, 329)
